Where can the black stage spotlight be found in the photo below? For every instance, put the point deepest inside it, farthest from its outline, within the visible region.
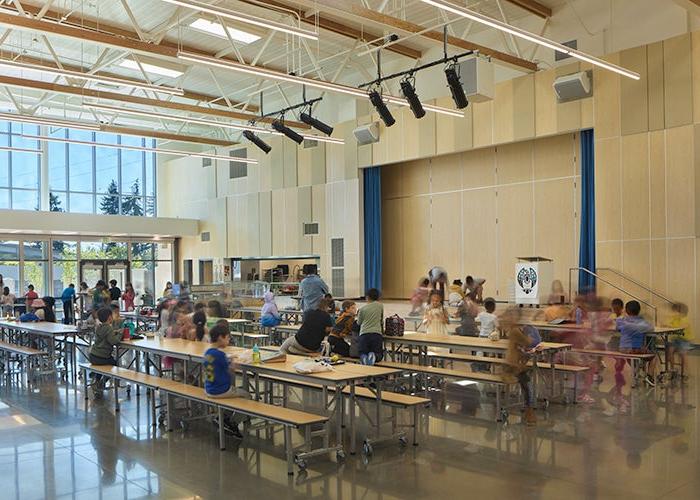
(455, 84)
(316, 123)
(408, 89)
(257, 141)
(280, 127)
(376, 99)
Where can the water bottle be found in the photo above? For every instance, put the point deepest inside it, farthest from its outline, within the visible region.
(256, 354)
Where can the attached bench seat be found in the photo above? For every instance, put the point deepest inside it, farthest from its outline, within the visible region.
(472, 358)
(256, 409)
(613, 354)
(21, 353)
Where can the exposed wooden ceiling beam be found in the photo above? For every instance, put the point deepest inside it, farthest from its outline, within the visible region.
(157, 134)
(144, 101)
(533, 7)
(343, 6)
(338, 28)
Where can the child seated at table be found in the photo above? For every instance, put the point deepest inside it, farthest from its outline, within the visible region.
(200, 331)
(106, 337)
(633, 329)
(34, 313)
(617, 309)
(523, 344)
(455, 294)
(467, 312)
(343, 329)
(307, 341)
(487, 320)
(269, 314)
(371, 321)
(218, 369)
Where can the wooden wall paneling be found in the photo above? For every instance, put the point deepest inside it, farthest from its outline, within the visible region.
(290, 167)
(482, 123)
(415, 177)
(234, 232)
(635, 186)
(396, 146)
(634, 99)
(606, 89)
(554, 156)
(587, 105)
(658, 267)
(655, 85)
(657, 181)
(515, 230)
(479, 168)
(608, 254)
(415, 241)
(266, 226)
(636, 259)
(514, 162)
(276, 161)
(362, 156)
(279, 244)
(380, 149)
(555, 219)
(446, 233)
(681, 282)
(696, 144)
(524, 107)
(335, 157)
(452, 134)
(393, 249)
(392, 184)
(409, 128)
(427, 141)
(695, 62)
(680, 178)
(545, 103)
(445, 173)
(305, 214)
(481, 245)
(568, 113)
(318, 214)
(503, 114)
(607, 190)
(678, 81)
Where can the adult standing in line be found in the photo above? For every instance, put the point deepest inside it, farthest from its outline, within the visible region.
(67, 298)
(438, 280)
(312, 289)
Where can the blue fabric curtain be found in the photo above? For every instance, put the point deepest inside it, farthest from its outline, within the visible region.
(373, 227)
(586, 256)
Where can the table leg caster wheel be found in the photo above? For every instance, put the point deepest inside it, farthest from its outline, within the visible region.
(161, 420)
(301, 463)
(340, 456)
(183, 425)
(403, 441)
(367, 449)
(503, 417)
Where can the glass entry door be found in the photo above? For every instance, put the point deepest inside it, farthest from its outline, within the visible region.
(91, 271)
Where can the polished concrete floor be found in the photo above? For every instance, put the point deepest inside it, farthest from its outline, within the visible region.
(50, 448)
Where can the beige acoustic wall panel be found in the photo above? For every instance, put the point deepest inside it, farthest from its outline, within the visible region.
(410, 135)
(479, 168)
(635, 186)
(658, 266)
(335, 157)
(415, 177)
(265, 227)
(515, 209)
(503, 113)
(278, 222)
(556, 226)
(380, 149)
(480, 257)
(681, 259)
(446, 232)
(657, 183)
(264, 169)
(636, 261)
(655, 85)
(416, 240)
(514, 162)
(251, 233)
(318, 214)
(606, 89)
(446, 173)
(608, 254)
(568, 113)
(318, 162)
(482, 128)
(392, 184)
(289, 152)
(634, 101)
(678, 81)
(236, 211)
(555, 156)
(680, 178)
(426, 135)
(452, 133)
(545, 103)
(608, 208)
(276, 161)
(304, 211)
(392, 248)
(292, 222)
(524, 107)
(304, 166)
(695, 62)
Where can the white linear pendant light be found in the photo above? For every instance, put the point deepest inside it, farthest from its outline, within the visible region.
(300, 80)
(86, 76)
(43, 120)
(21, 150)
(201, 121)
(141, 148)
(243, 18)
(531, 37)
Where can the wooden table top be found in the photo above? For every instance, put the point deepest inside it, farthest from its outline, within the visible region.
(457, 341)
(41, 327)
(544, 325)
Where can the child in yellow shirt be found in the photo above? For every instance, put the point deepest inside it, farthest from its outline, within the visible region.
(681, 344)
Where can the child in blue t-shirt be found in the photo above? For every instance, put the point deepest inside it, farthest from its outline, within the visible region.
(217, 374)
(633, 330)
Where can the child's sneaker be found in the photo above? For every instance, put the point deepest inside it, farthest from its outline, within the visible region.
(371, 358)
(585, 398)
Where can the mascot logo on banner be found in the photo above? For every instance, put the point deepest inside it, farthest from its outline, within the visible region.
(527, 279)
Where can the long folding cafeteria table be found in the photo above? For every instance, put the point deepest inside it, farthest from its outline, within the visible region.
(342, 376)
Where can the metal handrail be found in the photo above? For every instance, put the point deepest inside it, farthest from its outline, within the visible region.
(640, 285)
(652, 306)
